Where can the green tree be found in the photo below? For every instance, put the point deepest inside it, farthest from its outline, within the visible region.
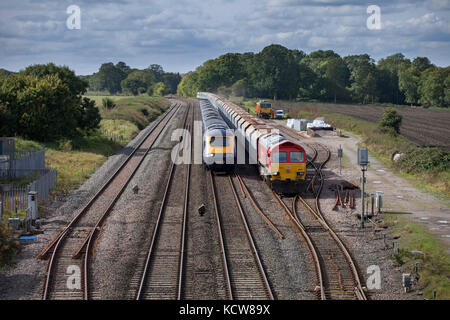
(76, 85)
(159, 89)
(434, 86)
(171, 81)
(239, 88)
(363, 77)
(275, 73)
(108, 78)
(330, 75)
(88, 116)
(422, 63)
(393, 64)
(4, 72)
(391, 121)
(188, 86)
(42, 109)
(137, 81)
(336, 75)
(408, 82)
(122, 66)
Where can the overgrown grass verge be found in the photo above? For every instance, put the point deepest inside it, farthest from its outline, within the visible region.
(434, 263)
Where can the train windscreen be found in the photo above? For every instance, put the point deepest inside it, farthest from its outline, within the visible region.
(279, 157)
(219, 141)
(296, 157)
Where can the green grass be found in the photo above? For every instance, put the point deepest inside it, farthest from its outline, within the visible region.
(434, 265)
(120, 128)
(11, 214)
(74, 167)
(140, 110)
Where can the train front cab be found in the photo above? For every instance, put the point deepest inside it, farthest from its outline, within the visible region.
(219, 150)
(284, 167)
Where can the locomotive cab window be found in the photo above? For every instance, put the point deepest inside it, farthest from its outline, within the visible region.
(296, 157)
(219, 142)
(279, 157)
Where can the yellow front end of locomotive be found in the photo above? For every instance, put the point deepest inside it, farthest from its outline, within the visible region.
(288, 171)
(224, 146)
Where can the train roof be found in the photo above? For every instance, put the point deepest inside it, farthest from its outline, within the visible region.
(273, 140)
(211, 117)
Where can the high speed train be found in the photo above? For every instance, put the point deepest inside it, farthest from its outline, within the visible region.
(281, 162)
(218, 139)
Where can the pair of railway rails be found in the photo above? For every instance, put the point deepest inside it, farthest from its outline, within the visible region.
(163, 275)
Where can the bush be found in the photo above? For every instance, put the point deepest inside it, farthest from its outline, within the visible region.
(108, 103)
(65, 145)
(8, 246)
(425, 159)
(390, 122)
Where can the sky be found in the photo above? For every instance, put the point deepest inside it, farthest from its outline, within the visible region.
(182, 34)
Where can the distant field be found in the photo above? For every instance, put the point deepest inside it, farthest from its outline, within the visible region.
(425, 127)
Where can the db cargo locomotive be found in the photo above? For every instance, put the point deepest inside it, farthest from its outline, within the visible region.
(281, 162)
(218, 139)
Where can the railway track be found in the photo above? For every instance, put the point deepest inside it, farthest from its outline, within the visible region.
(340, 275)
(162, 276)
(77, 238)
(336, 272)
(244, 273)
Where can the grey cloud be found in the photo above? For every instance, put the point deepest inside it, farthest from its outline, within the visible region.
(182, 34)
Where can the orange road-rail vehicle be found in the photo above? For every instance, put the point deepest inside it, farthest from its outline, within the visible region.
(264, 109)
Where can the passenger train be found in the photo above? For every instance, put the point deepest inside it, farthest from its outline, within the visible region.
(218, 139)
(281, 162)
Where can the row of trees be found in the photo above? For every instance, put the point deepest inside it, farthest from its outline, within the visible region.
(279, 73)
(120, 78)
(45, 103)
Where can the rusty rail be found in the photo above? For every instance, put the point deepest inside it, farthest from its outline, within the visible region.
(162, 208)
(257, 208)
(359, 292)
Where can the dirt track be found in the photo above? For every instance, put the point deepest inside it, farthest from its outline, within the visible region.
(425, 127)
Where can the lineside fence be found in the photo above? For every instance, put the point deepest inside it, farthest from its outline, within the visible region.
(15, 197)
(19, 164)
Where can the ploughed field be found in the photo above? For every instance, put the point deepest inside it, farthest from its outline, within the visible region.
(425, 127)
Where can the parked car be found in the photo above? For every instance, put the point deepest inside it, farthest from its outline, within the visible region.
(279, 114)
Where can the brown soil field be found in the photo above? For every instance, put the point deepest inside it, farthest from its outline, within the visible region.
(425, 127)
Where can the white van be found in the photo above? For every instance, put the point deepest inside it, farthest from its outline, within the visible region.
(279, 114)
